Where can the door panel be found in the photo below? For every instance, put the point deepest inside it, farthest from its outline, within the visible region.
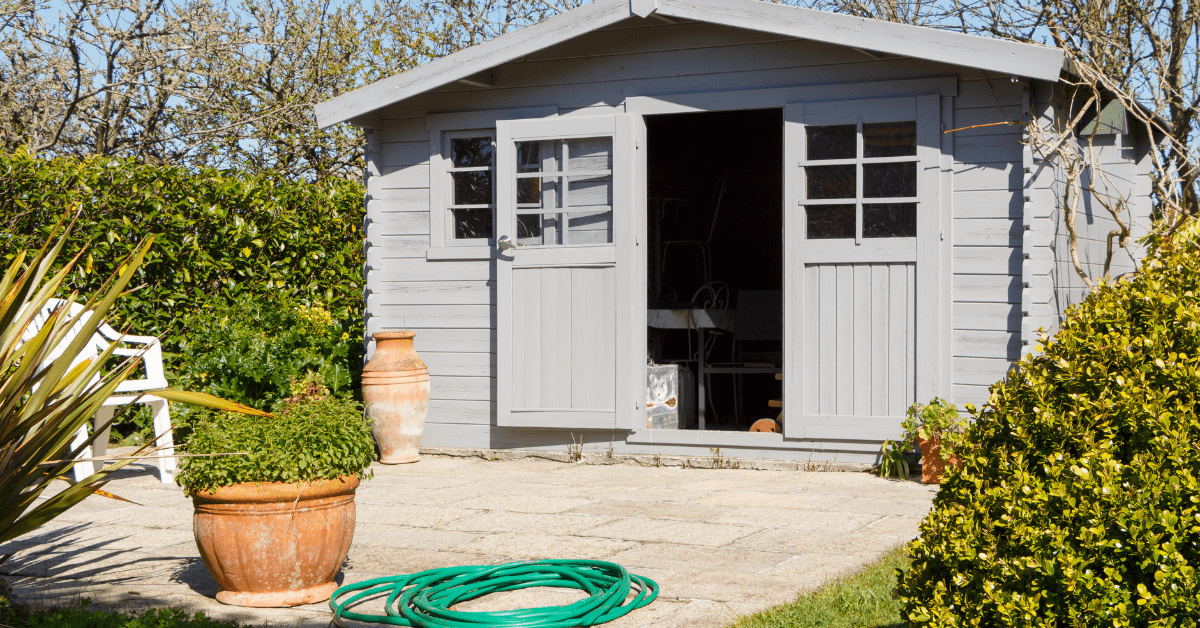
(861, 198)
(565, 202)
(862, 329)
(564, 338)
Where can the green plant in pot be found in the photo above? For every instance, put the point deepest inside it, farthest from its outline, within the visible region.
(274, 523)
(939, 431)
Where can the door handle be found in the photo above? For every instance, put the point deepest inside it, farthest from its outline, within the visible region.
(504, 243)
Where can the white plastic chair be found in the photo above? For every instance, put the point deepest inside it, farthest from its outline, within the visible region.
(127, 392)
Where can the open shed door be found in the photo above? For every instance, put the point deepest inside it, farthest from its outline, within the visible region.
(567, 213)
(862, 179)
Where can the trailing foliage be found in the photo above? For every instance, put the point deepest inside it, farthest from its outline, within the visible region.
(81, 617)
(256, 351)
(319, 438)
(937, 420)
(219, 236)
(1078, 502)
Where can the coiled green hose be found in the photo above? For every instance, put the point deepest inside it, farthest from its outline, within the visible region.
(423, 599)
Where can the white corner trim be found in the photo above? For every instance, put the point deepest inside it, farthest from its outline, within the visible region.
(643, 8)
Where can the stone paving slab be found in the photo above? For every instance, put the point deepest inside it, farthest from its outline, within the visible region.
(720, 542)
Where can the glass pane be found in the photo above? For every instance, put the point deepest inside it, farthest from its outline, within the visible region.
(533, 191)
(472, 188)
(470, 152)
(589, 153)
(472, 223)
(830, 221)
(890, 220)
(589, 227)
(589, 191)
(537, 229)
(884, 180)
(529, 157)
(890, 139)
(830, 182)
(832, 142)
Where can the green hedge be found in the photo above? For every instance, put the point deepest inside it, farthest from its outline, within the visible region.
(221, 236)
(1078, 503)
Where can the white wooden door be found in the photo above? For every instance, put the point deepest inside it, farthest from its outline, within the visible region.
(566, 216)
(862, 188)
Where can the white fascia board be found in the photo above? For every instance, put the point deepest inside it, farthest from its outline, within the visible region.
(1004, 57)
(465, 63)
(997, 55)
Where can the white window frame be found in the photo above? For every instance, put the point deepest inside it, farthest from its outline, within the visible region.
(442, 127)
(447, 188)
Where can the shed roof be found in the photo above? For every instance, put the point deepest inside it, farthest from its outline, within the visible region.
(1006, 57)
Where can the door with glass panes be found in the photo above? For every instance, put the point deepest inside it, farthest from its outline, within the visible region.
(566, 209)
(862, 178)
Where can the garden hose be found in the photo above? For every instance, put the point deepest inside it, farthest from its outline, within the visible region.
(423, 599)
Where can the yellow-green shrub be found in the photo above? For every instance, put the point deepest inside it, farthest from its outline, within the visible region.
(1078, 503)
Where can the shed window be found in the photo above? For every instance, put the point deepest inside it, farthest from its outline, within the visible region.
(564, 182)
(847, 167)
(470, 185)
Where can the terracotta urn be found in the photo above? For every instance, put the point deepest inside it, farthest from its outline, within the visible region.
(395, 389)
(275, 544)
(932, 464)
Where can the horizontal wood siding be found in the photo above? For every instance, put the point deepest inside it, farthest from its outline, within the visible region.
(987, 235)
(450, 305)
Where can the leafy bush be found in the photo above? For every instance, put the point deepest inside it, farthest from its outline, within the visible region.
(318, 438)
(220, 236)
(1078, 503)
(256, 351)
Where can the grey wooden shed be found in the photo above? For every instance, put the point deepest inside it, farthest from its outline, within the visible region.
(778, 204)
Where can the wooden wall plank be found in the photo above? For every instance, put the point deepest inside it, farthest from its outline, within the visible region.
(463, 364)
(980, 371)
(461, 412)
(393, 154)
(987, 344)
(398, 223)
(438, 316)
(970, 149)
(988, 232)
(987, 176)
(432, 292)
(418, 269)
(988, 316)
(969, 205)
(987, 260)
(453, 388)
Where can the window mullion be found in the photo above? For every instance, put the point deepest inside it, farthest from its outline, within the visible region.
(858, 183)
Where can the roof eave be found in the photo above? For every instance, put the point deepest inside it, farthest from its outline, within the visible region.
(1004, 57)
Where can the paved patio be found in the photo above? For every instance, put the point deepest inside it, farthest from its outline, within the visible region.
(720, 542)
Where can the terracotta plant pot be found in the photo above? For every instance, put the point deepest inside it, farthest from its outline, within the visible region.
(395, 389)
(932, 465)
(275, 544)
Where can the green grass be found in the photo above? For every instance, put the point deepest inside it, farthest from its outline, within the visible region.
(860, 601)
